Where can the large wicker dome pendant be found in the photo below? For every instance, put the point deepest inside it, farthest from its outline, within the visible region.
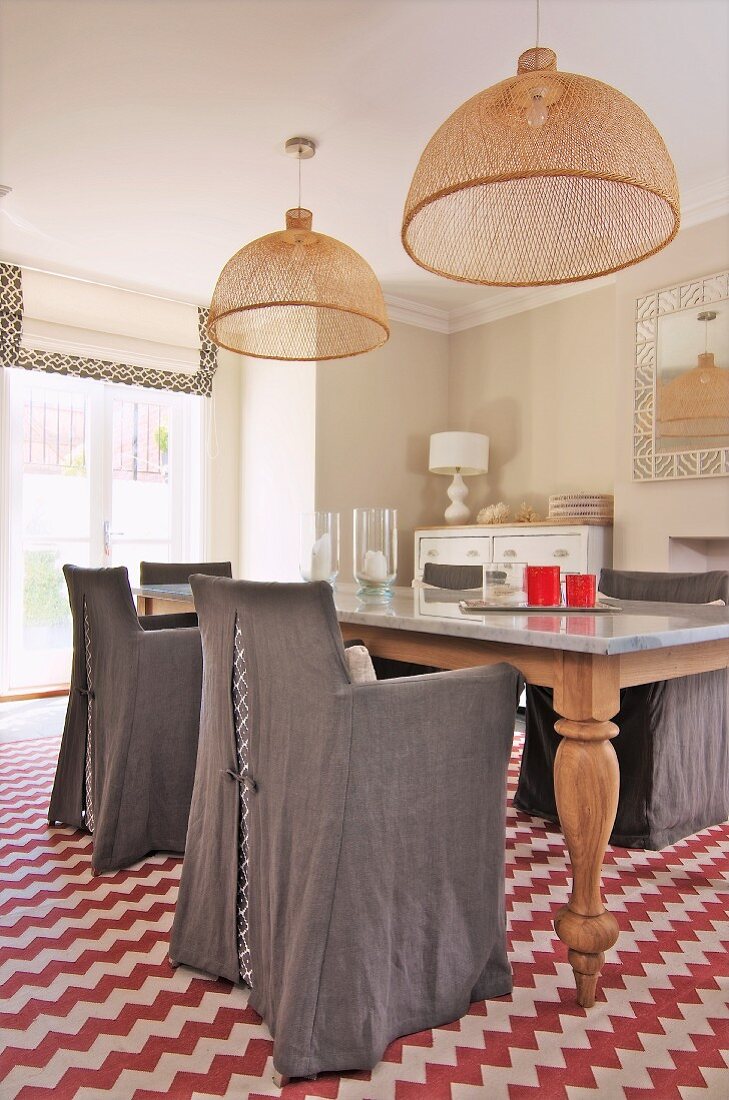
(547, 177)
(298, 295)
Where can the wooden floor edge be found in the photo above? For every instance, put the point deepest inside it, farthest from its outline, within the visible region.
(40, 693)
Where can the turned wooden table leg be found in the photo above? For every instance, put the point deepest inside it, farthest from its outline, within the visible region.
(586, 782)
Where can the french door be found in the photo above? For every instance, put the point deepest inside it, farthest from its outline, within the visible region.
(97, 474)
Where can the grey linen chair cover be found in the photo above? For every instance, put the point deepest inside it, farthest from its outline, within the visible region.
(459, 577)
(363, 897)
(135, 699)
(673, 745)
(177, 572)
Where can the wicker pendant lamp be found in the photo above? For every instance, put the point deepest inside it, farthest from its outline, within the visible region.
(545, 178)
(298, 295)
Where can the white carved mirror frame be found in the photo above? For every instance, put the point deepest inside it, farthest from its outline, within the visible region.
(649, 463)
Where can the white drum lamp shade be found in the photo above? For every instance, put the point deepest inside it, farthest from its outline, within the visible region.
(460, 454)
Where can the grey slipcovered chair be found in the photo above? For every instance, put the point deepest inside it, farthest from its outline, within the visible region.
(178, 572)
(673, 744)
(456, 577)
(345, 855)
(127, 760)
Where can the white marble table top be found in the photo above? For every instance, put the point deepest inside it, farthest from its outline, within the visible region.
(178, 593)
(636, 626)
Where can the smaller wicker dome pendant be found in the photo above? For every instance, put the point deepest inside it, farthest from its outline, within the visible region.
(547, 177)
(298, 295)
(695, 404)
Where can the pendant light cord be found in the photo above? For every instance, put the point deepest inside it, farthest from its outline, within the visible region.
(299, 179)
(537, 49)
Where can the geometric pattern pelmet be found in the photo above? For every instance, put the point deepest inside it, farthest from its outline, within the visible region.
(14, 354)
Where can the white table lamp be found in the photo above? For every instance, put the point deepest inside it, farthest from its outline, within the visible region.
(462, 454)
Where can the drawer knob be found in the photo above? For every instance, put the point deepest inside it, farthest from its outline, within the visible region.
(561, 554)
(432, 553)
(509, 553)
(472, 554)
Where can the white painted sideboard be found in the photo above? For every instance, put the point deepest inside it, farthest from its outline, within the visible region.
(578, 548)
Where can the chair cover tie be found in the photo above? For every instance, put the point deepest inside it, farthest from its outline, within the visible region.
(243, 777)
(84, 691)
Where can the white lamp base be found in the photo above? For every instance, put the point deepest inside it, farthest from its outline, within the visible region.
(457, 512)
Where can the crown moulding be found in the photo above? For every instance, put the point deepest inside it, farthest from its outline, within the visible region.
(699, 204)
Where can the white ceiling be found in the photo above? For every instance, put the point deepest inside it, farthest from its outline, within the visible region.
(143, 139)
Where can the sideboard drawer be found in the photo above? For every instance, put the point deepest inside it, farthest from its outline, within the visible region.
(568, 551)
(578, 548)
(470, 550)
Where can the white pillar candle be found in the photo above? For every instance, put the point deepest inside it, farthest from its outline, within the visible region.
(375, 566)
(321, 559)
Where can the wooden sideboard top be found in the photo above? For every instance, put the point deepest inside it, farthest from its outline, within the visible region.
(564, 521)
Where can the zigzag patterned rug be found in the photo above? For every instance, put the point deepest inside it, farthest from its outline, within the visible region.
(91, 1008)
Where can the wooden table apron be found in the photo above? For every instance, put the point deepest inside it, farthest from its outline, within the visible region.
(158, 605)
(586, 776)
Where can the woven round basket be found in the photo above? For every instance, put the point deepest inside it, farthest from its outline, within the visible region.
(587, 505)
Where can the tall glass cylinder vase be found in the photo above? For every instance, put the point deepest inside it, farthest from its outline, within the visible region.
(375, 552)
(319, 546)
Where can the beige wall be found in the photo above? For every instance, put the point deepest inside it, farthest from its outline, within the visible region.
(552, 387)
(222, 443)
(374, 416)
(540, 384)
(648, 513)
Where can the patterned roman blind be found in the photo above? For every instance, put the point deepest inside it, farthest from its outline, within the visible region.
(14, 354)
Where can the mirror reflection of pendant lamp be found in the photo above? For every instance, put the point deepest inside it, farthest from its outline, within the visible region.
(696, 403)
(546, 177)
(298, 294)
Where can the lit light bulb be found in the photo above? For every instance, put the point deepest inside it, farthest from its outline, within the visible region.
(537, 113)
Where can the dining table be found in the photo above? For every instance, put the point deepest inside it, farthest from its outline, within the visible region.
(586, 657)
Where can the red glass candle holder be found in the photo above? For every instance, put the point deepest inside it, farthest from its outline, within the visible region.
(580, 589)
(543, 589)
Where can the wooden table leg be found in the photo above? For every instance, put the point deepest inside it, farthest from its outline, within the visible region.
(586, 781)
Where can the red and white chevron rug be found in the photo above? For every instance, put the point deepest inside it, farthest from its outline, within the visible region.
(90, 1008)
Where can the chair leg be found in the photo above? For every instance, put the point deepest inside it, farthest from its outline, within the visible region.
(280, 1079)
(172, 962)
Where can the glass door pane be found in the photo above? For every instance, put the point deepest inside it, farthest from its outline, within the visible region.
(139, 525)
(50, 504)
